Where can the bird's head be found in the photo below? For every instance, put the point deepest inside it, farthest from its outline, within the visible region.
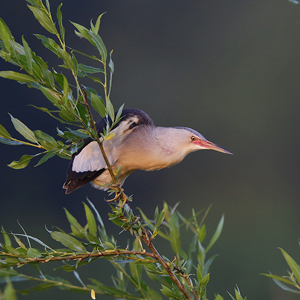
(192, 141)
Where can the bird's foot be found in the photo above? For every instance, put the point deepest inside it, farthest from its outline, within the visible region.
(121, 197)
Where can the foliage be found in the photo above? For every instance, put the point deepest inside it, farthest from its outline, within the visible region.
(186, 276)
(293, 279)
(86, 244)
(70, 104)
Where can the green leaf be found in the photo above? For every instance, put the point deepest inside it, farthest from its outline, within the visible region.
(98, 105)
(51, 95)
(49, 43)
(75, 63)
(286, 288)
(218, 297)
(279, 278)
(93, 38)
(23, 130)
(9, 142)
(110, 109)
(68, 241)
(159, 217)
(42, 136)
(9, 292)
(6, 37)
(34, 253)
(66, 57)
(174, 233)
(48, 155)
(167, 292)
(7, 240)
(43, 19)
(22, 163)
(292, 264)
(204, 281)
(16, 76)
(4, 133)
(216, 234)
(76, 228)
(98, 42)
(83, 32)
(8, 272)
(91, 221)
(28, 54)
(89, 69)
(61, 27)
(112, 69)
(97, 24)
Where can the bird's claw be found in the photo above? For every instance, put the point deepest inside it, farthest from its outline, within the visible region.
(121, 197)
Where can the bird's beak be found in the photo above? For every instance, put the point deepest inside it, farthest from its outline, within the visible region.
(211, 146)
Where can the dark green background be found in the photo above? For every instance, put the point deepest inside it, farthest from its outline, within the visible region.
(230, 70)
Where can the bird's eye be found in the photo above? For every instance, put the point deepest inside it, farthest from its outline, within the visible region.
(193, 138)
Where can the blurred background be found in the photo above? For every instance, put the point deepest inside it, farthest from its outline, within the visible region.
(230, 70)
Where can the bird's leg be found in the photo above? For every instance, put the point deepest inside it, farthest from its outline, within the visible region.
(121, 196)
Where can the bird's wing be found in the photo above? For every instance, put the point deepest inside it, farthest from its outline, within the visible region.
(88, 163)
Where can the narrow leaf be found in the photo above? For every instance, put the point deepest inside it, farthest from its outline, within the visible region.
(61, 27)
(27, 54)
(68, 241)
(4, 133)
(16, 76)
(66, 57)
(7, 240)
(22, 163)
(89, 69)
(8, 272)
(98, 105)
(73, 222)
(43, 19)
(216, 234)
(49, 43)
(292, 264)
(48, 155)
(98, 42)
(23, 130)
(6, 37)
(9, 291)
(97, 24)
(91, 220)
(279, 278)
(110, 109)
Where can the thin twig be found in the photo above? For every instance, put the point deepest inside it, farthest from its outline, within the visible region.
(82, 256)
(158, 257)
(111, 172)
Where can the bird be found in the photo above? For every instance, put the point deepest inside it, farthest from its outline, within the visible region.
(136, 144)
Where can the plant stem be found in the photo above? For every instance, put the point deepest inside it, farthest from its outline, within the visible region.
(158, 257)
(82, 256)
(111, 172)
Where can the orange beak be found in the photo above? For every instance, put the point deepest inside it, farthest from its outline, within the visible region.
(210, 146)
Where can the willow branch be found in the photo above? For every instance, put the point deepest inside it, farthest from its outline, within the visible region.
(158, 257)
(111, 172)
(82, 256)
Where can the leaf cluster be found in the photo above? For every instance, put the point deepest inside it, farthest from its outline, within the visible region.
(293, 278)
(69, 101)
(88, 243)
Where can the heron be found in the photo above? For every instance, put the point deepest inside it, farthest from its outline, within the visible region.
(137, 144)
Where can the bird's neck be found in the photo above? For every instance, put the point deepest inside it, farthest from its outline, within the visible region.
(155, 148)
